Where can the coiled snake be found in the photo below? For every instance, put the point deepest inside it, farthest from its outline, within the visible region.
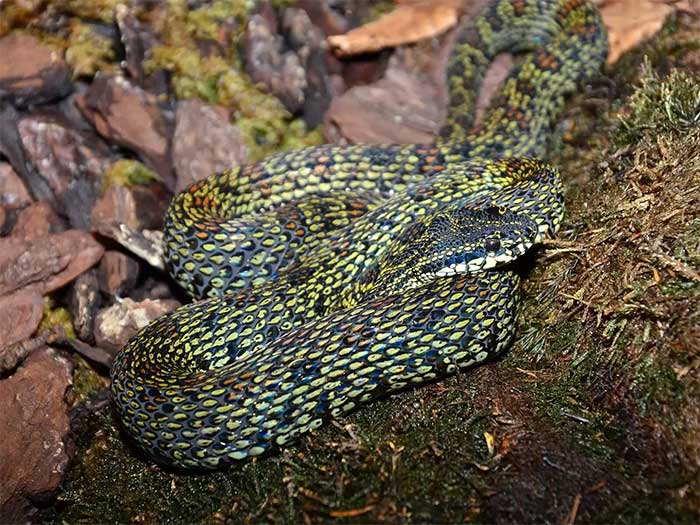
(340, 274)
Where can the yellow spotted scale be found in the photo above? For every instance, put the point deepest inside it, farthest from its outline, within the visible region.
(339, 274)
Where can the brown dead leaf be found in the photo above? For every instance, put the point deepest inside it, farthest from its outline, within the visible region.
(408, 22)
(350, 513)
(629, 22)
(689, 6)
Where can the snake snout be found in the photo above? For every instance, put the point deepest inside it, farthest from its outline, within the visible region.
(482, 239)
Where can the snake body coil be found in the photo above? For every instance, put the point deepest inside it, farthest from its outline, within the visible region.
(340, 274)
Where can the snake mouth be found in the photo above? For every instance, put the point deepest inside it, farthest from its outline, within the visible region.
(471, 262)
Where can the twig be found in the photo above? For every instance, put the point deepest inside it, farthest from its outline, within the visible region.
(571, 518)
(14, 354)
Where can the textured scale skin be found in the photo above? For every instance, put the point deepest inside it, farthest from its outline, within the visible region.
(309, 258)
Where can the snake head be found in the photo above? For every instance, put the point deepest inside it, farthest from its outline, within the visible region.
(470, 240)
(455, 241)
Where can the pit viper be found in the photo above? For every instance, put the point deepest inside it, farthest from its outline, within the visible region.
(334, 275)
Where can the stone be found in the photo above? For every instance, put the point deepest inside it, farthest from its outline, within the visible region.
(115, 325)
(48, 263)
(322, 16)
(267, 62)
(136, 207)
(70, 160)
(138, 39)
(31, 72)
(127, 115)
(35, 442)
(36, 221)
(93, 353)
(156, 286)
(362, 70)
(11, 147)
(399, 108)
(77, 202)
(117, 273)
(20, 314)
(83, 301)
(205, 142)
(145, 244)
(13, 192)
(310, 46)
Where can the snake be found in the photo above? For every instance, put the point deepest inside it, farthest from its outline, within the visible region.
(330, 276)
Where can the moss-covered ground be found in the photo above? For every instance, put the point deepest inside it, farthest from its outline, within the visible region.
(592, 417)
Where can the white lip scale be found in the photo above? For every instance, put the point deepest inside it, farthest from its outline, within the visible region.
(481, 263)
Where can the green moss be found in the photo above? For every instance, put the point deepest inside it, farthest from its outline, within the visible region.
(659, 111)
(380, 8)
(266, 137)
(266, 125)
(128, 172)
(407, 445)
(205, 22)
(86, 382)
(606, 324)
(655, 508)
(102, 10)
(662, 105)
(654, 382)
(193, 76)
(56, 316)
(88, 52)
(18, 14)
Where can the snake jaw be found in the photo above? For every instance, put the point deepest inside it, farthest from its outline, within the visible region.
(456, 240)
(488, 262)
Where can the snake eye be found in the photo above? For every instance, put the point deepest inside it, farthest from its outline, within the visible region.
(492, 245)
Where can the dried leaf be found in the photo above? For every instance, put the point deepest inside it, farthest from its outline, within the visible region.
(350, 513)
(629, 22)
(490, 442)
(689, 6)
(408, 22)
